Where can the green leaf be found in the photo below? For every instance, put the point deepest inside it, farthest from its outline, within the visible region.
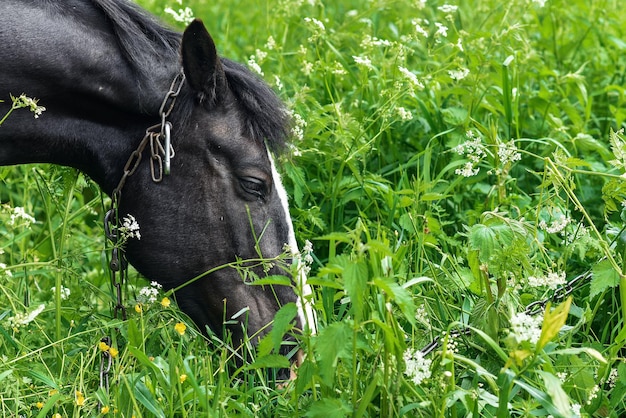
(269, 361)
(399, 295)
(145, 397)
(604, 277)
(330, 342)
(355, 276)
(329, 408)
(560, 400)
(553, 321)
(282, 323)
(482, 239)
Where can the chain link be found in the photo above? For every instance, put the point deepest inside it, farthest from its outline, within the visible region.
(533, 308)
(118, 265)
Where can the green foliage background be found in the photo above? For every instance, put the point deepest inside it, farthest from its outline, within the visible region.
(451, 165)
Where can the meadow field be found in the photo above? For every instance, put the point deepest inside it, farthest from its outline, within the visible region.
(457, 175)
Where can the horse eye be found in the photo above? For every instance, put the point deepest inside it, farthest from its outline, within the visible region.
(253, 186)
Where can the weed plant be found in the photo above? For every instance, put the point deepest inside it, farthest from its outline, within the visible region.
(459, 169)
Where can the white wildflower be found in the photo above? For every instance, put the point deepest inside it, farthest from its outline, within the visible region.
(448, 8)
(508, 153)
(459, 74)
(129, 228)
(307, 68)
(316, 26)
(526, 328)
(415, 82)
(363, 61)
(278, 83)
(19, 214)
(299, 125)
(26, 318)
(612, 379)
(593, 394)
(65, 292)
(417, 24)
(556, 226)
(404, 114)
(148, 294)
(24, 101)
(540, 3)
(182, 15)
(552, 280)
(270, 44)
(254, 66)
(442, 30)
(576, 410)
(4, 268)
(417, 367)
(468, 170)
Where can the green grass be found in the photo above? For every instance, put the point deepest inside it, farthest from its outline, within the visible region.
(446, 182)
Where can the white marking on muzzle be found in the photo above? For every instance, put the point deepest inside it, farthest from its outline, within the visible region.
(305, 310)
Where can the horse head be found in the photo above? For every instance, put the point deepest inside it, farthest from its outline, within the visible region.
(220, 219)
(223, 206)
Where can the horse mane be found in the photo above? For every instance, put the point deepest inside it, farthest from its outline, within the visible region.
(141, 36)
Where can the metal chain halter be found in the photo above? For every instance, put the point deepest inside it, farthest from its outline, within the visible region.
(161, 153)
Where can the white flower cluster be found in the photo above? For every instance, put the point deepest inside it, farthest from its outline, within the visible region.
(526, 328)
(417, 367)
(459, 74)
(129, 228)
(556, 226)
(414, 82)
(508, 153)
(317, 28)
(474, 150)
(24, 101)
(22, 319)
(552, 280)
(363, 62)
(19, 215)
(182, 15)
(65, 292)
(4, 269)
(148, 294)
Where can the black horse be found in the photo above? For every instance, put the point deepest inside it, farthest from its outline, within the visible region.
(115, 83)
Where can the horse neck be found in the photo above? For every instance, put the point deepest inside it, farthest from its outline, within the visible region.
(98, 102)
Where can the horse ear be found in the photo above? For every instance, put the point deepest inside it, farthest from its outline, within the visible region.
(202, 67)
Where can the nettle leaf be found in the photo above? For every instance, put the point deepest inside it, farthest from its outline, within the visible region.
(604, 277)
(355, 276)
(329, 408)
(328, 345)
(482, 239)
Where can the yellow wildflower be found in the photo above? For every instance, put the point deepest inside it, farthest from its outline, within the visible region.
(39, 405)
(113, 352)
(105, 410)
(80, 398)
(103, 346)
(180, 328)
(182, 378)
(165, 302)
(138, 308)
